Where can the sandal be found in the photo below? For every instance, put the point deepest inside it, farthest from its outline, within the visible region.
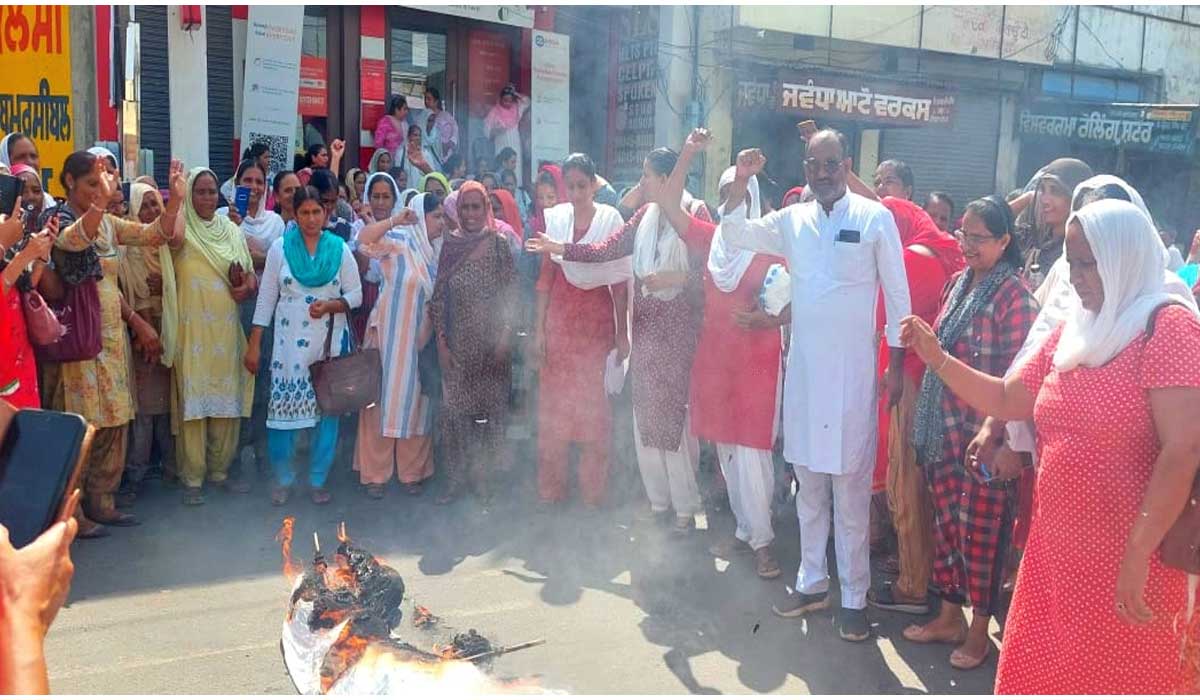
(115, 518)
(193, 496)
(280, 495)
(89, 530)
(415, 489)
(886, 599)
(765, 565)
(321, 496)
(375, 491)
(921, 635)
(963, 662)
(683, 524)
(728, 546)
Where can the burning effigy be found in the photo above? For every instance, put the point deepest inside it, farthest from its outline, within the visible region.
(340, 635)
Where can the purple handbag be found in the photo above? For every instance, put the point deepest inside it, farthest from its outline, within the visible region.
(79, 315)
(41, 324)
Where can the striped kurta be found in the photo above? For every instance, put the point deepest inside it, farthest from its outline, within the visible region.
(394, 327)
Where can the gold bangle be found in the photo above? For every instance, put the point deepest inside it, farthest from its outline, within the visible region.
(943, 365)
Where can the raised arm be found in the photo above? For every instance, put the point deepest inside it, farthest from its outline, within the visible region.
(760, 235)
(670, 197)
(372, 233)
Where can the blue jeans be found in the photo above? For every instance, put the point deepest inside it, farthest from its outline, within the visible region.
(281, 449)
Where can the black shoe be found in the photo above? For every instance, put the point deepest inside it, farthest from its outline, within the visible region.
(853, 625)
(798, 604)
(885, 599)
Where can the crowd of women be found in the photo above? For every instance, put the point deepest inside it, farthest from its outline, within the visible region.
(1053, 364)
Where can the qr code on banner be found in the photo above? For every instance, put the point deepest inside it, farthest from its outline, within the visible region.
(280, 148)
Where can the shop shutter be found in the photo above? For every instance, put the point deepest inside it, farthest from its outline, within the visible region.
(156, 100)
(959, 160)
(220, 90)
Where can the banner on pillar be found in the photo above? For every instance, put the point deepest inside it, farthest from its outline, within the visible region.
(271, 87)
(550, 99)
(35, 83)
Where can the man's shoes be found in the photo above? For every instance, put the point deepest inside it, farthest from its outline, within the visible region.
(853, 625)
(886, 599)
(799, 604)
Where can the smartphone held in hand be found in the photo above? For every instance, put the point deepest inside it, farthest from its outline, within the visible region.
(41, 456)
(241, 201)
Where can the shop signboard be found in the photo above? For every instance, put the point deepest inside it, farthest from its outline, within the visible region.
(634, 96)
(271, 87)
(1165, 129)
(550, 98)
(35, 83)
(835, 98)
(314, 86)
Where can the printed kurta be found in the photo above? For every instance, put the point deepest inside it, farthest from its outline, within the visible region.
(735, 376)
(664, 340)
(299, 338)
(394, 327)
(98, 389)
(210, 381)
(1098, 445)
(837, 262)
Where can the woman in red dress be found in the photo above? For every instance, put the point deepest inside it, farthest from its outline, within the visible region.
(574, 333)
(18, 366)
(931, 258)
(1113, 394)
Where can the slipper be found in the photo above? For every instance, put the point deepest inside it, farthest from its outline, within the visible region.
(193, 496)
(963, 662)
(375, 491)
(921, 635)
(414, 489)
(321, 496)
(280, 495)
(93, 532)
(118, 519)
(765, 565)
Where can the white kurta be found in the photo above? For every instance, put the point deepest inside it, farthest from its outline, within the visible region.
(837, 262)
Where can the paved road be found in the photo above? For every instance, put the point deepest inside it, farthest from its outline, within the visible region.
(192, 601)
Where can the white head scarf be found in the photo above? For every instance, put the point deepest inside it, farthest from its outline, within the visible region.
(1129, 259)
(560, 227)
(416, 235)
(4, 159)
(137, 196)
(727, 264)
(102, 152)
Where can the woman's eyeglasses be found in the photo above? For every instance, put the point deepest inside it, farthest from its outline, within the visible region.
(971, 240)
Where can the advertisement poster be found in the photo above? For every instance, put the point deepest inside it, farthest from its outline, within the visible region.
(550, 99)
(35, 84)
(1155, 129)
(314, 86)
(490, 59)
(271, 88)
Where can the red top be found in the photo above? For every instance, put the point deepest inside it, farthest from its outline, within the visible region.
(735, 374)
(1097, 444)
(579, 331)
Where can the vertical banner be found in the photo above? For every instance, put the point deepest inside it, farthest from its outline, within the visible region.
(271, 85)
(35, 83)
(314, 86)
(550, 99)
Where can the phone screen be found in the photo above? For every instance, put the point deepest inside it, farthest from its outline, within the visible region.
(38, 459)
(10, 191)
(241, 200)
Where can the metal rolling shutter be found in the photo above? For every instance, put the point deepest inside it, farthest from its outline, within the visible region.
(960, 160)
(220, 90)
(156, 99)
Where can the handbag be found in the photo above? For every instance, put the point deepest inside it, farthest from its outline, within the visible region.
(41, 324)
(1180, 548)
(349, 382)
(79, 315)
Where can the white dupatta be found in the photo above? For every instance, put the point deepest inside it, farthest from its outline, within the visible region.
(727, 264)
(560, 227)
(659, 248)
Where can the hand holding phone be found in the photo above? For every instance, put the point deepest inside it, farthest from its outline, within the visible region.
(41, 456)
(241, 200)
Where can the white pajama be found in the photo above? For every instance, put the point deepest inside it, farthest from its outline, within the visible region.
(849, 497)
(750, 480)
(670, 477)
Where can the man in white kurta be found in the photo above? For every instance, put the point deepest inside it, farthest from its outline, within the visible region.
(840, 250)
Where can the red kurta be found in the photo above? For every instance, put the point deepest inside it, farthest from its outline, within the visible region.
(1097, 446)
(735, 374)
(580, 331)
(16, 355)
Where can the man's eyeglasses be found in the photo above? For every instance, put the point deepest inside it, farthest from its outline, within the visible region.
(817, 166)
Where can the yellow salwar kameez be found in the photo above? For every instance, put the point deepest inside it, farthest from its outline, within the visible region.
(99, 389)
(212, 390)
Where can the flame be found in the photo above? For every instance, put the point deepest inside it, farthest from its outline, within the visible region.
(422, 617)
(290, 568)
(450, 678)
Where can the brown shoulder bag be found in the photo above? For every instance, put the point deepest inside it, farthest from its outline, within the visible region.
(347, 383)
(1180, 549)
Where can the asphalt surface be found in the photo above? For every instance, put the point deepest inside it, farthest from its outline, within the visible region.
(192, 601)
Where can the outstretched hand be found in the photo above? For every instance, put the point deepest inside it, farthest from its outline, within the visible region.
(541, 244)
(750, 162)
